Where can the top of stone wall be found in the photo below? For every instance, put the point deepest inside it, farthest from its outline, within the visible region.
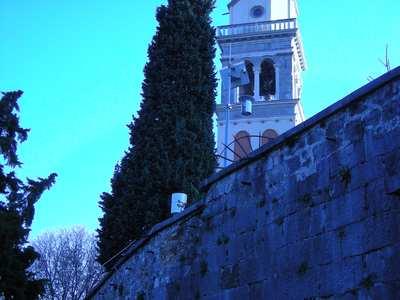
(356, 96)
(198, 207)
(133, 247)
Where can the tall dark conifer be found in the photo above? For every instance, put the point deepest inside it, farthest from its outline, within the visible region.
(172, 140)
(17, 200)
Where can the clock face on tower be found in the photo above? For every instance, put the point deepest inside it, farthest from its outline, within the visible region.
(257, 11)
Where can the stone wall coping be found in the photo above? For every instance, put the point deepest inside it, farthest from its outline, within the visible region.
(134, 246)
(355, 96)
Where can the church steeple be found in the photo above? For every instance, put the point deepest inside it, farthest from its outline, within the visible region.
(264, 35)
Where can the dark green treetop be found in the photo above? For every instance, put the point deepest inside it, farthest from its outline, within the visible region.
(17, 200)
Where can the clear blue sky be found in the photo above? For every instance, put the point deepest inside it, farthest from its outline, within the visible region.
(80, 65)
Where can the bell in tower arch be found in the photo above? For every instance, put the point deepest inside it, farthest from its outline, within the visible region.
(267, 80)
(248, 89)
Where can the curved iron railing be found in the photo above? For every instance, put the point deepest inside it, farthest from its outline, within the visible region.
(262, 140)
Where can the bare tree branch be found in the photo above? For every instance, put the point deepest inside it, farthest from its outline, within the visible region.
(68, 262)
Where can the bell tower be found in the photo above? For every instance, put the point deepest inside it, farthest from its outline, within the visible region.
(264, 37)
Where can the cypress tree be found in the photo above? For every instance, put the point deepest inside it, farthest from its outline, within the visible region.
(123, 214)
(172, 141)
(17, 200)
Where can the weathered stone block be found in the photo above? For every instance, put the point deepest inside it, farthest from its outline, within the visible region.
(297, 226)
(257, 291)
(339, 277)
(391, 110)
(391, 162)
(326, 248)
(385, 263)
(375, 232)
(240, 293)
(372, 117)
(346, 209)
(380, 197)
(250, 271)
(374, 144)
(229, 276)
(392, 185)
(209, 284)
(354, 130)
(323, 174)
(381, 291)
(293, 163)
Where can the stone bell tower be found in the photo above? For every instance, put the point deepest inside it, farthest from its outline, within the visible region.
(265, 37)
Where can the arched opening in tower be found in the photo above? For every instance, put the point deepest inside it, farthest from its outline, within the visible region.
(268, 135)
(242, 145)
(248, 89)
(267, 79)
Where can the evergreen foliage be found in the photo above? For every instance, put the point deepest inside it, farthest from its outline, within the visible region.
(17, 200)
(172, 140)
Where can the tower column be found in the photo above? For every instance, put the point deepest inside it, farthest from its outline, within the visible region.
(257, 70)
(277, 83)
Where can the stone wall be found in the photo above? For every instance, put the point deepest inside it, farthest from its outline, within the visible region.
(313, 215)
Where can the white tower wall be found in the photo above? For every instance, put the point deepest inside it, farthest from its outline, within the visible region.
(240, 11)
(264, 34)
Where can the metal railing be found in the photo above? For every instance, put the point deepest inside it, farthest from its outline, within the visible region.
(268, 26)
(243, 151)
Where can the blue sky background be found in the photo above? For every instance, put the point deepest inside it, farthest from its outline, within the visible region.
(80, 65)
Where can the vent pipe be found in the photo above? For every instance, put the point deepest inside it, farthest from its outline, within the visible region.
(247, 105)
(178, 202)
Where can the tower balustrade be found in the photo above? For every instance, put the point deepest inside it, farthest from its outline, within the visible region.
(258, 27)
